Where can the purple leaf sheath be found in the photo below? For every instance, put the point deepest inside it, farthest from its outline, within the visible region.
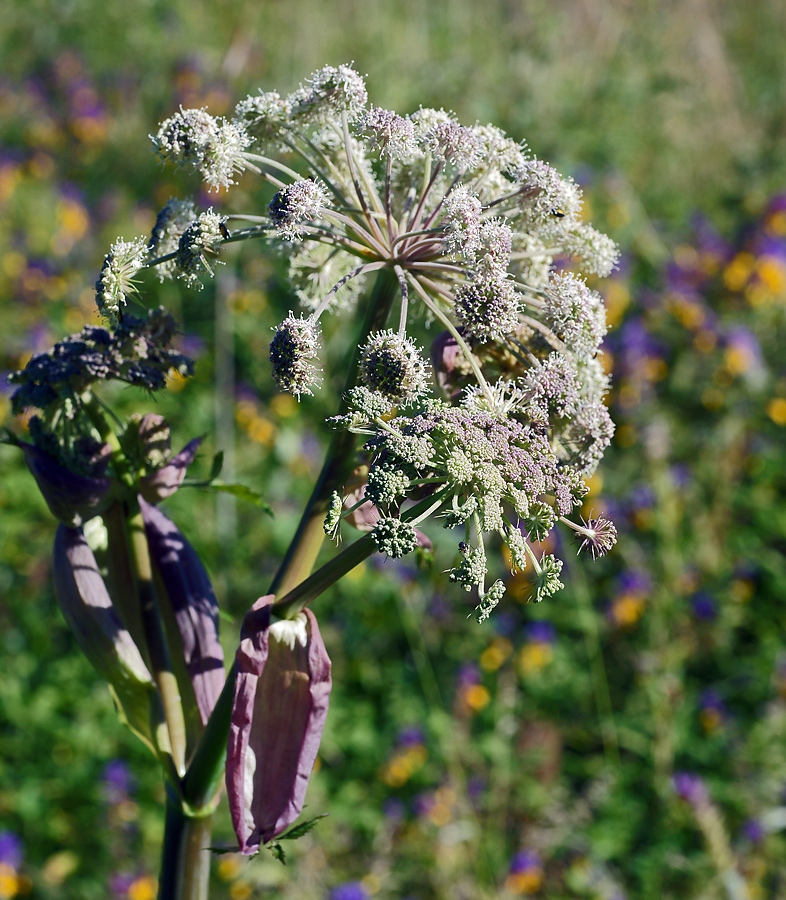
(165, 481)
(71, 498)
(99, 630)
(282, 691)
(193, 602)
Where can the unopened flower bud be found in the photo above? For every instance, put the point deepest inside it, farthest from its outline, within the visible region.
(163, 482)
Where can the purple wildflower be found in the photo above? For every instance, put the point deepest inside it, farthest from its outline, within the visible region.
(754, 831)
(118, 781)
(541, 632)
(10, 849)
(410, 736)
(525, 861)
(704, 606)
(350, 890)
(691, 788)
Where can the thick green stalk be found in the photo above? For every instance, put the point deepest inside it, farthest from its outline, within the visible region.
(140, 606)
(340, 459)
(206, 769)
(185, 857)
(120, 577)
(162, 671)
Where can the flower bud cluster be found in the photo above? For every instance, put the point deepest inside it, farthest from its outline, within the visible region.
(489, 601)
(200, 241)
(263, 115)
(295, 343)
(394, 537)
(487, 308)
(214, 147)
(392, 366)
(484, 238)
(490, 472)
(295, 204)
(547, 578)
(329, 92)
(390, 133)
(461, 221)
(575, 313)
(136, 352)
(116, 281)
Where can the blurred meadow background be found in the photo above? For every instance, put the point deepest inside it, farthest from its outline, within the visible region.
(624, 739)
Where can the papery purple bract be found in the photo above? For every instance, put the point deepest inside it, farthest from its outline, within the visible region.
(71, 498)
(99, 630)
(165, 481)
(193, 602)
(282, 690)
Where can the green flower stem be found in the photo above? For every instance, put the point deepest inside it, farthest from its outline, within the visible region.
(95, 412)
(120, 577)
(133, 588)
(340, 459)
(162, 671)
(177, 659)
(310, 588)
(205, 773)
(185, 857)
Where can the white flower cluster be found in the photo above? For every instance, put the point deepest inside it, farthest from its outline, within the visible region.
(470, 226)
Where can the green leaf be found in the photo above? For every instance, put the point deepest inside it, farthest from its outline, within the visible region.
(8, 437)
(278, 852)
(217, 466)
(299, 830)
(242, 492)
